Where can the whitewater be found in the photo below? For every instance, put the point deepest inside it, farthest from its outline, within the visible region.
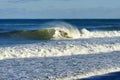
(68, 54)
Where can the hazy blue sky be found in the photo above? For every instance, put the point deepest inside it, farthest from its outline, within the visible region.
(59, 8)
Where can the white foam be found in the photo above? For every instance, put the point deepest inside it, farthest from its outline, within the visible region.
(60, 60)
(84, 33)
(58, 48)
(59, 68)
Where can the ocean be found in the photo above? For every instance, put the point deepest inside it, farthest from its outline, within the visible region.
(47, 29)
(59, 49)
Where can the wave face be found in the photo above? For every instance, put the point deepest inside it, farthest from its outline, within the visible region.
(55, 31)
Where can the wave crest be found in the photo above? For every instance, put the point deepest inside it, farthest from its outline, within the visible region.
(65, 31)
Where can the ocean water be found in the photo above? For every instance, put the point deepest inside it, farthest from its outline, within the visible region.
(49, 29)
(110, 76)
(63, 49)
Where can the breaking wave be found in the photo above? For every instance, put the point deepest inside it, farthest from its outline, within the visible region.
(59, 31)
(55, 31)
(84, 33)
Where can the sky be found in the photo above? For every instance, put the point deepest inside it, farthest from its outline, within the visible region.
(57, 9)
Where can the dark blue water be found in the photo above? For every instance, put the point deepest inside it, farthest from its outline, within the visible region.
(31, 24)
(110, 76)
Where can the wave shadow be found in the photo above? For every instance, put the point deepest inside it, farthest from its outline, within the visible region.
(110, 76)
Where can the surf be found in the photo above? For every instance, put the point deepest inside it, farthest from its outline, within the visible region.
(59, 30)
(55, 31)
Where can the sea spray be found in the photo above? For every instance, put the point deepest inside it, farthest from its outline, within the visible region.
(65, 31)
